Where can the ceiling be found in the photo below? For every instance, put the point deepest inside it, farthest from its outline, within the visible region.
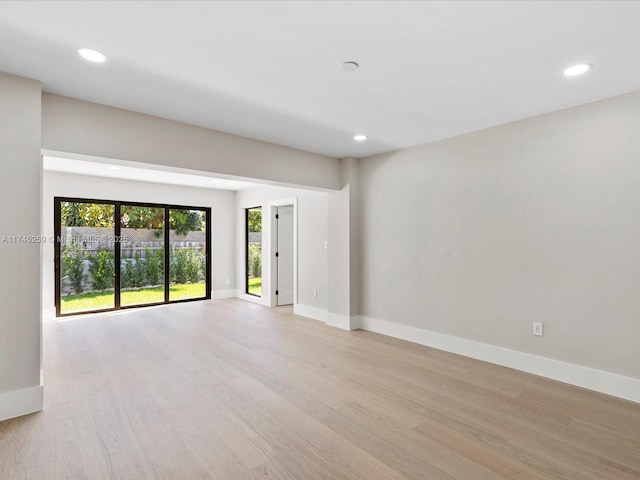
(271, 70)
(141, 172)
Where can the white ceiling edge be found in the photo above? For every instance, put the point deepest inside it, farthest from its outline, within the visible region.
(78, 164)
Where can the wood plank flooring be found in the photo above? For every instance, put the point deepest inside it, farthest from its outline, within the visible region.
(230, 390)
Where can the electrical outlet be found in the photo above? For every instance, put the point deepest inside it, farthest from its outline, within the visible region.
(538, 329)
(315, 292)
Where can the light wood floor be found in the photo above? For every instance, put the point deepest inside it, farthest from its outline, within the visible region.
(230, 390)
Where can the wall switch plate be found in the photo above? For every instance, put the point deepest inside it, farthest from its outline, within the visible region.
(326, 244)
(315, 292)
(228, 281)
(538, 329)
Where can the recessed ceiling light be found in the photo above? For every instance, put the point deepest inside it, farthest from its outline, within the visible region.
(113, 167)
(349, 66)
(92, 55)
(359, 138)
(577, 69)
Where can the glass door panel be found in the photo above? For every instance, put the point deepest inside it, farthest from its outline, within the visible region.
(111, 254)
(187, 254)
(87, 252)
(254, 250)
(141, 255)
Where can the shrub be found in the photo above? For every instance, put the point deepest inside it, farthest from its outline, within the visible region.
(193, 266)
(127, 273)
(134, 272)
(154, 265)
(101, 267)
(203, 266)
(73, 265)
(255, 261)
(179, 270)
(186, 266)
(140, 278)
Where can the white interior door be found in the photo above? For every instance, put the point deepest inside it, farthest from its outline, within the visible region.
(284, 255)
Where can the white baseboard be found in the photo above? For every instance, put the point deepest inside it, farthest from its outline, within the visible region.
(220, 294)
(336, 320)
(21, 402)
(308, 311)
(252, 298)
(590, 378)
(356, 323)
(344, 322)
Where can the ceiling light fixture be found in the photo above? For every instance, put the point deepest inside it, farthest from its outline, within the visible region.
(113, 167)
(577, 70)
(92, 55)
(349, 66)
(360, 138)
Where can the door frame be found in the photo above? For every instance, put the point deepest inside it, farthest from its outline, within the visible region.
(273, 245)
(246, 251)
(57, 204)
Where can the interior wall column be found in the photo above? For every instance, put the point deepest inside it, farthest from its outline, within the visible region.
(20, 244)
(343, 264)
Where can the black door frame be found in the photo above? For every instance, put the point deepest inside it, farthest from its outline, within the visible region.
(57, 216)
(246, 247)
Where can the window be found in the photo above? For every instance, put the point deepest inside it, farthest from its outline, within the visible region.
(85, 256)
(158, 261)
(253, 227)
(187, 254)
(142, 271)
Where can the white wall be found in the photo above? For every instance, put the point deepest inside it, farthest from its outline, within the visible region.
(343, 263)
(221, 202)
(75, 126)
(472, 238)
(20, 326)
(480, 235)
(312, 233)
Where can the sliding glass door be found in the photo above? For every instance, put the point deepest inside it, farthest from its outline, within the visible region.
(152, 254)
(187, 253)
(141, 255)
(85, 257)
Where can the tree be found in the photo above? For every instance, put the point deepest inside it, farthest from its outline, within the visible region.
(74, 214)
(71, 214)
(255, 220)
(185, 221)
(142, 217)
(182, 221)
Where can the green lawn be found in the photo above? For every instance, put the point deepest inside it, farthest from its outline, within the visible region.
(99, 300)
(255, 286)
